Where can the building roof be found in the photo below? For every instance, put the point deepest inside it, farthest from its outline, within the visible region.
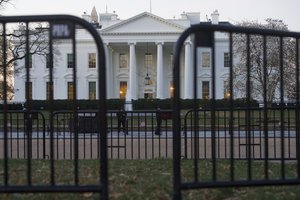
(144, 23)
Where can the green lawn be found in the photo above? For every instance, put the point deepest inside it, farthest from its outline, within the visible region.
(149, 179)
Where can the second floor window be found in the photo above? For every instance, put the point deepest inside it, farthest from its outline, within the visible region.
(226, 59)
(70, 63)
(205, 59)
(123, 60)
(92, 60)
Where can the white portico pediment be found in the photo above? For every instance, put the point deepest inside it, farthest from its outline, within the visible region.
(143, 23)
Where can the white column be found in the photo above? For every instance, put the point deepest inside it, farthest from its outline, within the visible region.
(188, 72)
(109, 77)
(160, 72)
(132, 73)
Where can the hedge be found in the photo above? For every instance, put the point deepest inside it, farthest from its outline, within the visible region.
(140, 104)
(112, 104)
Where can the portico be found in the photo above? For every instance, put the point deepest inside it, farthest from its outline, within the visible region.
(147, 41)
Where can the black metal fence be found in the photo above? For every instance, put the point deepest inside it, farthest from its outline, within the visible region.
(29, 134)
(130, 134)
(261, 65)
(147, 134)
(241, 63)
(236, 134)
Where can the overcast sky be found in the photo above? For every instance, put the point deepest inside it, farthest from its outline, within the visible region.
(230, 10)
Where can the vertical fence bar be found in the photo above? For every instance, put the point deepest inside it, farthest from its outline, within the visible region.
(213, 109)
(195, 115)
(297, 109)
(248, 110)
(282, 109)
(265, 109)
(28, 113)
(102, 117)
(231, 117)
(176, 124)
(51, 111)
(4, 65)
(75, 109)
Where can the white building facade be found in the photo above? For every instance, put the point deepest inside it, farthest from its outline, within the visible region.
(139, 47)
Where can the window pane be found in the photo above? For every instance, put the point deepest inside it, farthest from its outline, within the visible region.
(70, 90)
(123, 60)
(205, 59)
(226, 59)
(92, 60)
(205, 89)
(70, 60)
(92, 90)
(171, 89)
(226, 90)
(123, 89)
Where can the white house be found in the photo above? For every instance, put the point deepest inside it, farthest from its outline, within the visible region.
(139, 47)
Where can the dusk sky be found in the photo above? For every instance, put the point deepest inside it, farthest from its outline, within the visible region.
(230, 10)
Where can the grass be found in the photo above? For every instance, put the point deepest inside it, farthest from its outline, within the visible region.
(149, 179)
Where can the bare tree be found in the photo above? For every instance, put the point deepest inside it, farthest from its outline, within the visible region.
(4, 3)
(16, 50)
(264, 70)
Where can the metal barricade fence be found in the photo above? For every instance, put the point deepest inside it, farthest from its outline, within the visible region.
(22, 38)
(18, 124)
(143, 134)
(246, 65)
(239, 128)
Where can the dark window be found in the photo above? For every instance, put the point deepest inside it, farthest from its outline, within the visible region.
(70, 63)
(226, 59)
(205, 89)
(92, 90)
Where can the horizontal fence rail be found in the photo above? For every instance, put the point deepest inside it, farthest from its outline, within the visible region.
(251, 65)
(28, 136)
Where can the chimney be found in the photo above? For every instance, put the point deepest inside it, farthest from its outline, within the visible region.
(86, 17)
(215, 17)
